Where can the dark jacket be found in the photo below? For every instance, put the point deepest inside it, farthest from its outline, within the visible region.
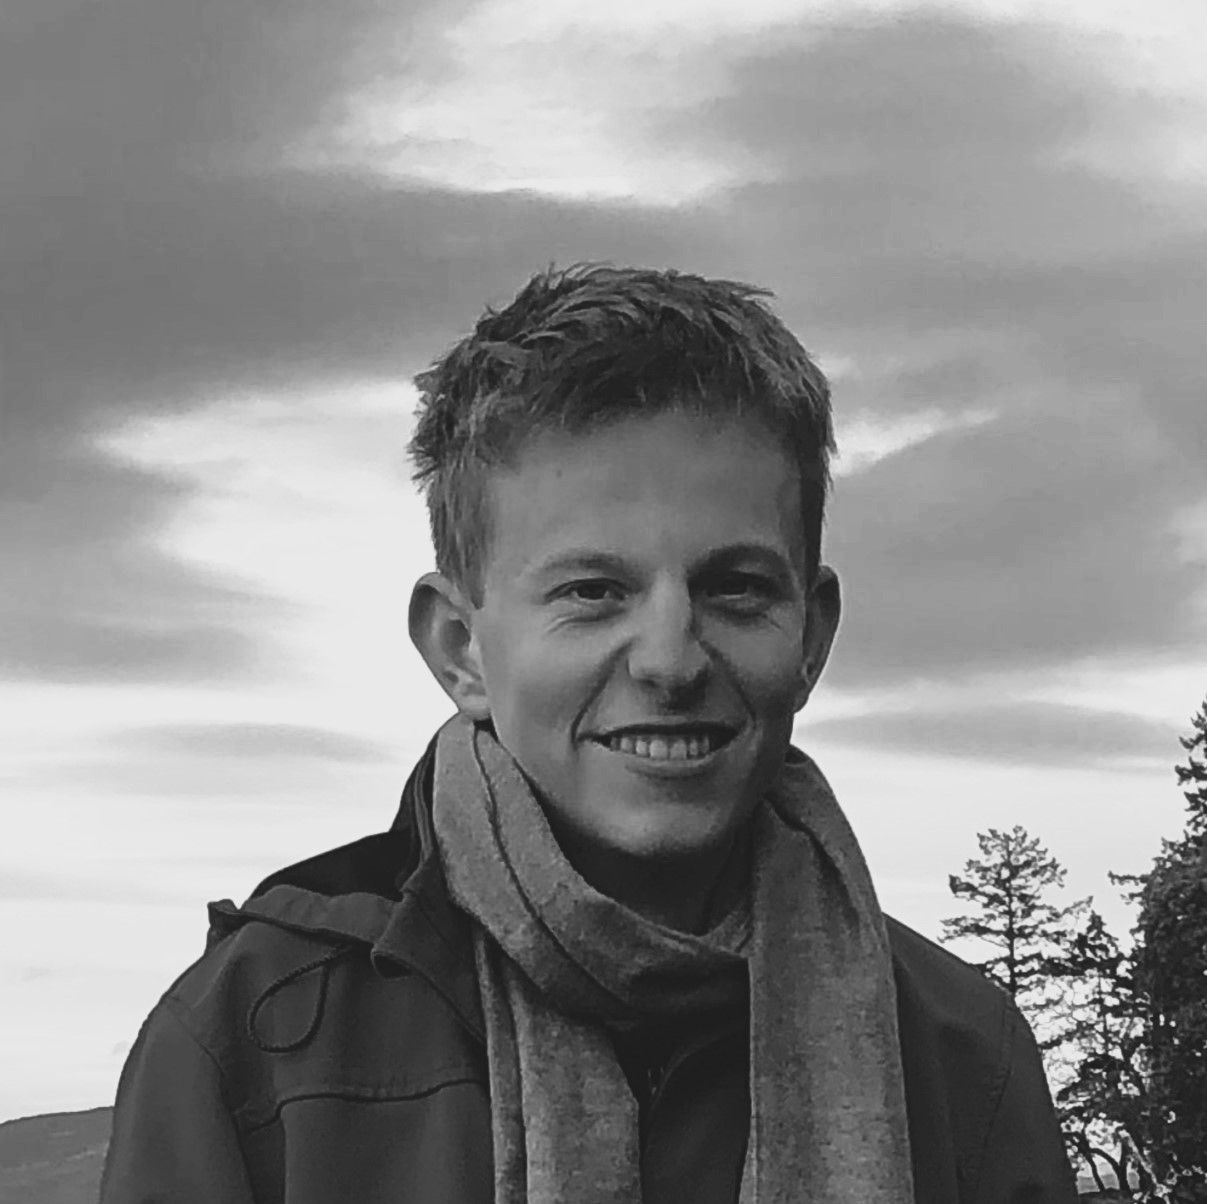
(329, 1046)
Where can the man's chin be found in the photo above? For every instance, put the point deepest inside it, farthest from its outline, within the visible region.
(662, 828)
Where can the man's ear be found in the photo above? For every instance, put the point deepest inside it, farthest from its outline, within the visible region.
(823, 610)
(440, 620)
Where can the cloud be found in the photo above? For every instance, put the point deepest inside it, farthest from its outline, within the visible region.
(547, 99)
(1024, 733)
(158, 242)
(67, 648)
(865, 439)
(267, 741)
(95, 598)
(20, 886)
(1027, 542)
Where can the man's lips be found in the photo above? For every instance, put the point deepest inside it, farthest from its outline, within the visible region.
(673, 744)
(720, 731)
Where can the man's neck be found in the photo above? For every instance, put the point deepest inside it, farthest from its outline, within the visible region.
(686, 895)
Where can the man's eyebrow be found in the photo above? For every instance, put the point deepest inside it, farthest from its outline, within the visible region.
(596, 560)
(579, 559)
(748, 551)
(768, 558)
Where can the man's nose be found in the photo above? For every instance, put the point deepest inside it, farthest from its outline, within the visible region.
(666, 652)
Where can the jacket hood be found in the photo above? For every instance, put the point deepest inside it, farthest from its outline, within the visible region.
(384, 896)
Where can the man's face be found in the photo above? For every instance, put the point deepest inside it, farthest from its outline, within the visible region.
(642, 635)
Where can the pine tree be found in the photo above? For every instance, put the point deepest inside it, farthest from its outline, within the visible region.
(1127, 1030)
(1171, 966)
(1103, 1099)
(1170, 975)
(1192, 776)
(1008, 887)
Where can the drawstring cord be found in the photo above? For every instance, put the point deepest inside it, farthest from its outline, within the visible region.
(323, 964)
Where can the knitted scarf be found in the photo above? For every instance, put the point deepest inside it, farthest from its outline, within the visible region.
(559, 964)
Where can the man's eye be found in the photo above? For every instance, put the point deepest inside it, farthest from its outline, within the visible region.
(593, 591)
(745, 589)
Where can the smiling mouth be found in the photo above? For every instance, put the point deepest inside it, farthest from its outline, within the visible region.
(659, 745)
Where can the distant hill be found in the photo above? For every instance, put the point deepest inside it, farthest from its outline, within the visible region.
(53, 1159)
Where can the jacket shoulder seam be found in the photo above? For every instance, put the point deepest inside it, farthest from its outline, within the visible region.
(256, 928)
(900, 934)
(177, 1010)
(997, 1087)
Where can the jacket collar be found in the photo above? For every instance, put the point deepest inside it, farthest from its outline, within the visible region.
(387, 892)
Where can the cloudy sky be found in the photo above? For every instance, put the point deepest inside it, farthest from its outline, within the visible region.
(229, 234)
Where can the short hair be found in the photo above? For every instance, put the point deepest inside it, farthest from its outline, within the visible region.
(588, 345)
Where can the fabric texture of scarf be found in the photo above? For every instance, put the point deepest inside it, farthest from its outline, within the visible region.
(559, 964)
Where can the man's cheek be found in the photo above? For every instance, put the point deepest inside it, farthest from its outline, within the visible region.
(776, 686)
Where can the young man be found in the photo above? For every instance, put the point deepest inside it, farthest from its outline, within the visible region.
(620, 944)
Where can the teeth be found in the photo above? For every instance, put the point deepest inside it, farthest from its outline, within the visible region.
(663, 747)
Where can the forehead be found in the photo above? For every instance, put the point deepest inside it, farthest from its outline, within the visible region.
(667, 488)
